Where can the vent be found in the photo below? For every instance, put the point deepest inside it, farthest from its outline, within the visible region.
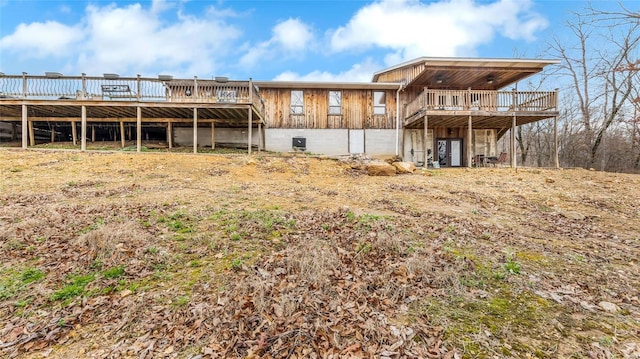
(299, 143)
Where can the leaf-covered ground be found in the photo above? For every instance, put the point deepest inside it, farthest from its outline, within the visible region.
(108, 255)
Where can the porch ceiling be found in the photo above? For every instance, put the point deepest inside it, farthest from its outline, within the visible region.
(484, 120)
(477, 78)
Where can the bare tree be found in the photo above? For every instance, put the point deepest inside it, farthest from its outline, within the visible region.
(594, 63)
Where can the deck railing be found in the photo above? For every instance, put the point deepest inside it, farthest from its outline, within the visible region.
(482, 100)
(114, 88)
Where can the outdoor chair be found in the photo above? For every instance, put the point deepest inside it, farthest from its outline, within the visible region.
(497, 160)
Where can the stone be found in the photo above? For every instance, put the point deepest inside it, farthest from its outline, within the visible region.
(381, 169)
(608, 307)
(404, 167)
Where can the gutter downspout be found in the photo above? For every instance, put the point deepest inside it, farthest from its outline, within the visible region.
(400, 88)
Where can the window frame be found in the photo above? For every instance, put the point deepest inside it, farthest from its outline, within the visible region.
(332, 108)
(377, 107)
(299, 103)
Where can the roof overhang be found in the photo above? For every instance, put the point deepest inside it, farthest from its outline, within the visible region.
(328, 85)
(477, 73)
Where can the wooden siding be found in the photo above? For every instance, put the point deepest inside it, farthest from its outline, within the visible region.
(357, 110)
(407, 73)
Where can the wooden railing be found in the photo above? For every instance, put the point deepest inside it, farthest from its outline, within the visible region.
(54, 86)
(482, 100)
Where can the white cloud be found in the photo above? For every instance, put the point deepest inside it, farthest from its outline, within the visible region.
(361, 72)
(412, 29)
(130, 39)
(290, 37)
(40, 40)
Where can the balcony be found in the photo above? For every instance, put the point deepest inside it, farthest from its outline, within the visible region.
(447, 104)
(229, 99)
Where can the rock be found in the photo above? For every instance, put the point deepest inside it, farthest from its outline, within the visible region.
(125, 293)
(574, 215)
(608, 307)
(381, 169)
(404, 167)
(549, 180)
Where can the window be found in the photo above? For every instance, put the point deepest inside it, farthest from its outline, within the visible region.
(335, 102)
(297, 102)
(379, 103)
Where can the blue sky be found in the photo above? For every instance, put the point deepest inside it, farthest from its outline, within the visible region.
(266, 40)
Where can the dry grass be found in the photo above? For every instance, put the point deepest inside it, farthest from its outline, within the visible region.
(165, 254)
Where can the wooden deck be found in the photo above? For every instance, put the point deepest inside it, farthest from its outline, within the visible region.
(60, 98)
(69, 99)
(487, 109)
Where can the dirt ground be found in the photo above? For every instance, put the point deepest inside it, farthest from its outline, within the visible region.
(144, 255)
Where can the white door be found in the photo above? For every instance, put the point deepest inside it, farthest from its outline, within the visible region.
(456, 153)
(356, 141)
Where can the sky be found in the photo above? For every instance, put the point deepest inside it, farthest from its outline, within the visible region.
(301, 40)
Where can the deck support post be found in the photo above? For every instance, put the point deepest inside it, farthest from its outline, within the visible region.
(213, 135)
(555, 142)
(83, 128)
(122, 143)
(259, 136)
(93, 133)
(425, 141)
(249, 135)
(53, 133)
(138, 129)
(32, 135)
(74, 133)
(24, 127)
(513, 142)
(470, 143)
(170, 134)
(195, 130)
(14, 131)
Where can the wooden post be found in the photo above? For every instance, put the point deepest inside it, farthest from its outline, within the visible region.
(425, 141)
(249, 130)
(195, 130)
(83, 129)
(213, 135)
(24, 127)
(14, 131)
(53, 133)
(170, 134)
(93, 133)
(513, 142)
(122, 141)
(138, 129)
(32, 135)
(470, 143)
(555, 142)
(259, 136)
(74, 133)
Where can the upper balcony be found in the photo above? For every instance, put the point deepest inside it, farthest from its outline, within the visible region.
(448, 105)
(54, 89)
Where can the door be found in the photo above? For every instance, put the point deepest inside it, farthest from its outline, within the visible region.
(356, 141)
(450, 152)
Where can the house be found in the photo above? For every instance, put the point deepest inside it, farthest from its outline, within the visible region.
(432, 111)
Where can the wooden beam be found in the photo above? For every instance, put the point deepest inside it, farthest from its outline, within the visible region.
(259, 136)
(83, 129)
(24, 127)
(249, 130)
(170, 134)
(555, 142)
(122, 141)
(425, 141)
(195, 130)
(470, 142)
(32, 136)
(138, 129)
(513, 142)
(74, 133)
(213, 135)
